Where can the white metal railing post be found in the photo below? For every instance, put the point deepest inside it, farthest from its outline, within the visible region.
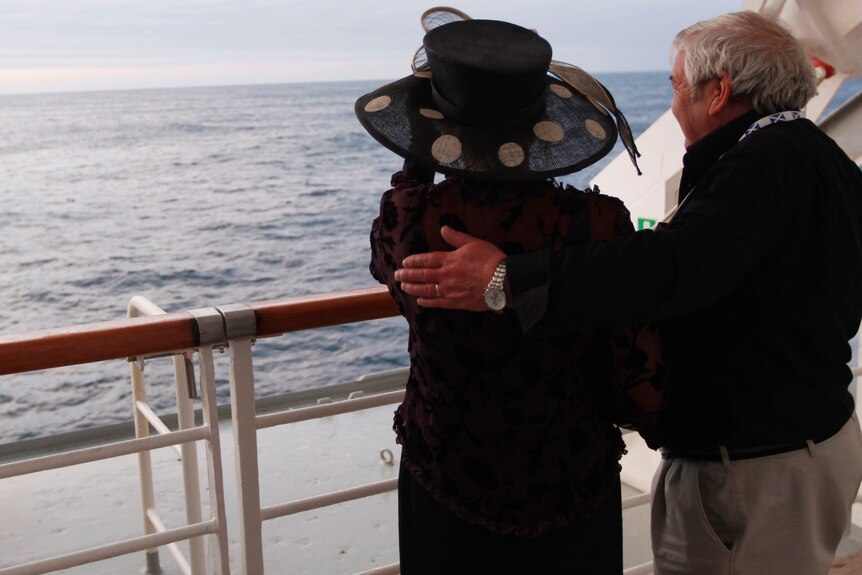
(184, 379)
(145, 465)
(245, 444)
(141, 306)
(220, 564)
(240, 327)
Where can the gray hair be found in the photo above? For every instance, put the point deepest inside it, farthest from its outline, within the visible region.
(766, 64)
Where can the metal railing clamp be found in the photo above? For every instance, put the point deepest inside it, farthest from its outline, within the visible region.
(211, 325)
(239, 321)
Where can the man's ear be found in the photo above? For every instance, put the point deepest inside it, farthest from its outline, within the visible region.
(720, 94)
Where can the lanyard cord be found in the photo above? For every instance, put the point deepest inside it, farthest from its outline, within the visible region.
(787, 116)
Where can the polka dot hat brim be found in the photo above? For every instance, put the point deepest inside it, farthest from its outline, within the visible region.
(569, 134)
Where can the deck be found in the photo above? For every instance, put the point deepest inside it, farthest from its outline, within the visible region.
(65, 509)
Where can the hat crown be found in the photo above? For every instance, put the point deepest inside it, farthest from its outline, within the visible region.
(487, 71)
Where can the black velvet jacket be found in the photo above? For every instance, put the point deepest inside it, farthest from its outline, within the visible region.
(757, 281)
(511, 432)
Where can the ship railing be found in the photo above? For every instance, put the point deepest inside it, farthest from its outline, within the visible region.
(151, 333)
(136, 338)
(145, 419)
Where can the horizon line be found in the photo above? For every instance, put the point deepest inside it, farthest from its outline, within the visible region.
(48, 92)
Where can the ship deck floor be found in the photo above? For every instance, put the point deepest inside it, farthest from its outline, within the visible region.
(64, 510)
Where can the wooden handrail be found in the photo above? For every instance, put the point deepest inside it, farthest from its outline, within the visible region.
(154, 335)
(92, 342)
(322, 310)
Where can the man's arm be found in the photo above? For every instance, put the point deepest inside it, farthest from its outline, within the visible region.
(725, 229)
(460, 276)
(606, 294)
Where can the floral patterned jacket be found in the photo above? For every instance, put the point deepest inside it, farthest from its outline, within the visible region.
(510, 432)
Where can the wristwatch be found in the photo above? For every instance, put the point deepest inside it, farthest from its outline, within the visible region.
(495, 295)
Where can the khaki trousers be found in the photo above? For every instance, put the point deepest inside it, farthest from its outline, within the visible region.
(778, 515)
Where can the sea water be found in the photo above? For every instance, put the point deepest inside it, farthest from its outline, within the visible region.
(195, 198)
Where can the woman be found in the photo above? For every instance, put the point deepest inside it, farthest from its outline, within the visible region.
(509, 453)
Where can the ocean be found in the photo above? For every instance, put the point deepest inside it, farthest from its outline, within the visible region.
(199, 197)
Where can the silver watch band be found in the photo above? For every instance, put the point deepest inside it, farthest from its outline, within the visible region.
(499, 277)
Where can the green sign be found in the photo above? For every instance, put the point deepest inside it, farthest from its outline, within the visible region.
(646, 223)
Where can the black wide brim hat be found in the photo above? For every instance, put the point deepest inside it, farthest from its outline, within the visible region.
(486, 108)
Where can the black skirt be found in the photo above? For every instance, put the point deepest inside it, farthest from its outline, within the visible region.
(435, 541)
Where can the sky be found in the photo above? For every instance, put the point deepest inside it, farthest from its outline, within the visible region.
(81, 45)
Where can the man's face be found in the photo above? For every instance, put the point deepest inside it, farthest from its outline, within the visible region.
(690, 114)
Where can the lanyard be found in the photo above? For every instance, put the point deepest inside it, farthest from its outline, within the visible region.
(787, 116)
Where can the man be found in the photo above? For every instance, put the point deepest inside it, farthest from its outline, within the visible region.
(757, 282)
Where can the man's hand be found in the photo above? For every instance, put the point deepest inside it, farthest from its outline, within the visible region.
(453, 280)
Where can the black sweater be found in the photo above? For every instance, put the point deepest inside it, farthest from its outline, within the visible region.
(757, 282)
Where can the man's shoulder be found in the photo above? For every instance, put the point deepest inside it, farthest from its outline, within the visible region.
(795, 145)
(792, 135)
(785, 144)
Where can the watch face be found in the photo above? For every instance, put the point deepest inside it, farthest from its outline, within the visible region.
(495, 299)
